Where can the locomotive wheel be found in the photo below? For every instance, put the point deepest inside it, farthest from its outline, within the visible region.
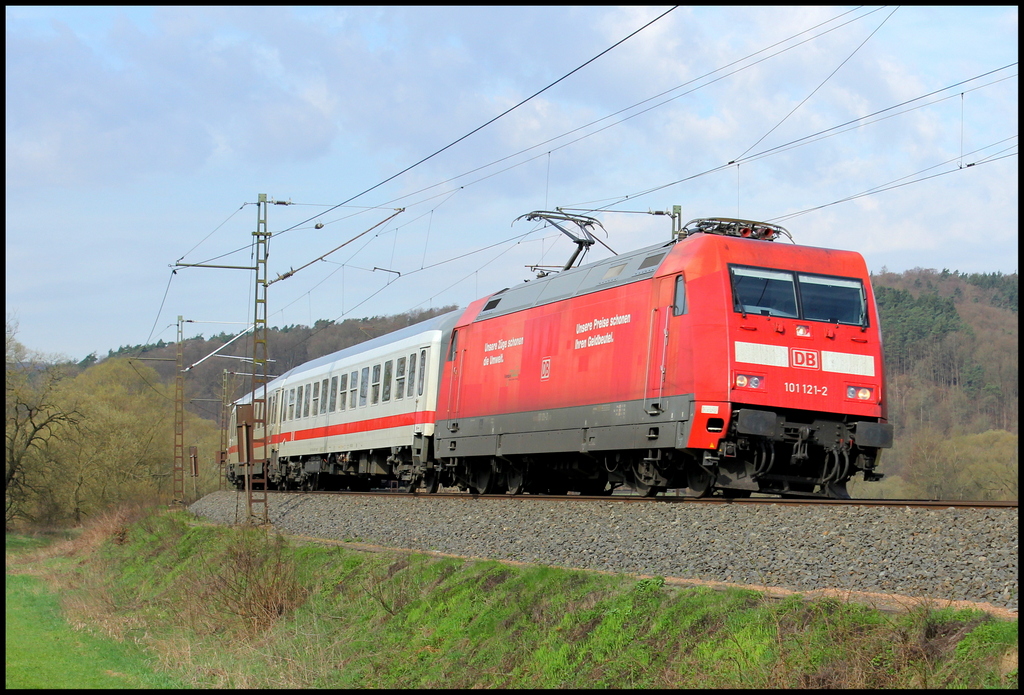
(699, 480)
(482, 477)
(516, 480)
(644, 479)
(431, 480)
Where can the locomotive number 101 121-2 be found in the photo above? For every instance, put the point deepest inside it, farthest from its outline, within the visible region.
(807, 389)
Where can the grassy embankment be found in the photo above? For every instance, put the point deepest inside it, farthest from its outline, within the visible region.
(220, 607)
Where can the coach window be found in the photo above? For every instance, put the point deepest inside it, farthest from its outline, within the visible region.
(412, 374)
(679, 300)
(298, 402)
(375, 386)
(316, 397)
(353, 383)
(386, 389)
(423, 370)
(305, 401)
(364, 386)
(291, 404)
(342, 391)
(334, 393)
(399, 378)
(323, 397)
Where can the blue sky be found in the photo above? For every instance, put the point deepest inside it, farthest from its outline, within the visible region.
(140, 136)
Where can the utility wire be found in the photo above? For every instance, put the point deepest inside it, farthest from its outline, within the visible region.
(640, 103)
(501, 115)
(820, 85)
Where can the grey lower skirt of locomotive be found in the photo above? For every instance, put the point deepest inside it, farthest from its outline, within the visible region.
(787, 453)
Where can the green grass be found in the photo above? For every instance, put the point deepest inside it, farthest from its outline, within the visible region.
(43, 651)
(235, 607)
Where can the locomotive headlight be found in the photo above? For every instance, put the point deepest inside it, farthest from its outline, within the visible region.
(860, 393)
(749, 381)
(803, 331)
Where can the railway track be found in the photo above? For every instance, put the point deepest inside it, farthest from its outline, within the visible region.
(673, 499)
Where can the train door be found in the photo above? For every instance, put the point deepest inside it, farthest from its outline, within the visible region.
(455, 357)
(659, 323)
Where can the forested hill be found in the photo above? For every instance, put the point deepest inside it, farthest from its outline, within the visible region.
(953, 338)
(950, 343)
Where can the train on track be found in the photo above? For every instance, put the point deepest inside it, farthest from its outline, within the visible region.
(719, 362)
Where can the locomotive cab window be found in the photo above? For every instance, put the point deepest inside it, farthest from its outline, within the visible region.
(764, 292)
(769, 292)
(835, 300)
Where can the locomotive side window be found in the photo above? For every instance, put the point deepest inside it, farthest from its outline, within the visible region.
(836, 300)
(343, 391)
(399, 378)
(412, 373)
(423, 370)
(679, 299)
(305, 402)
(364, 386)
(334, 392)
(316, 397)
(353, 382)
(453, 348)
(764, 292)
(375, 386)
(385, 395)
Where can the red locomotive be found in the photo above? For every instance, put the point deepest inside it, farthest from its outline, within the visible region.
(718, 360)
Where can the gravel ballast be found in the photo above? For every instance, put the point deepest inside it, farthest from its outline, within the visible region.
(946, 554)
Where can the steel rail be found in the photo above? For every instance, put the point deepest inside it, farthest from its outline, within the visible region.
(791, 501)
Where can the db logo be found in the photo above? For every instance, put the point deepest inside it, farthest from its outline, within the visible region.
(804, 359)
(545, 368)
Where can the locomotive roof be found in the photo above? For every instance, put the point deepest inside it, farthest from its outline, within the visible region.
(609, 272)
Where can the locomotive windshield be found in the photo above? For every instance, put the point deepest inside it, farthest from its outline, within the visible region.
(770, 292)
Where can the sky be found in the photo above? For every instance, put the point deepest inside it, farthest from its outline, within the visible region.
(138, 138)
